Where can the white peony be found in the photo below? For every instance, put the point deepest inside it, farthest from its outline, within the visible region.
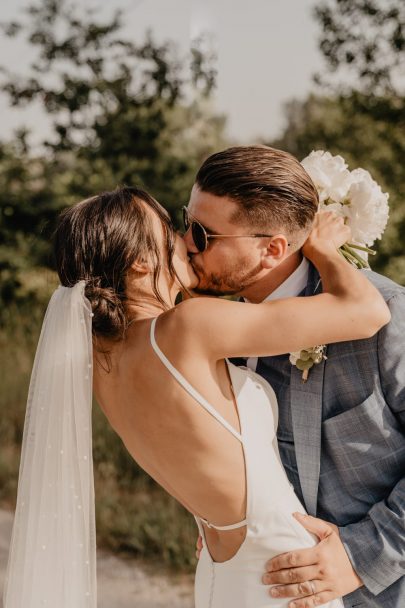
(368, 211)
(329, 174)
(353, 195)
(338, 208)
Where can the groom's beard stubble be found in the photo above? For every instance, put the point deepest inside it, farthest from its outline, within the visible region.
(228, 282)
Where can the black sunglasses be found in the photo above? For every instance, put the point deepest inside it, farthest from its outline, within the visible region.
(201, 237)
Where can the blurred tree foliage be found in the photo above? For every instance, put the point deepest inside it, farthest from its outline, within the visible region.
(120, 112)
(364, 42)
(359, 111)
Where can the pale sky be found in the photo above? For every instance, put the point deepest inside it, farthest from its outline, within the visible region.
(267, 53)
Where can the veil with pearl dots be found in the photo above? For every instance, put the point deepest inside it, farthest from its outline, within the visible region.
(52, 560)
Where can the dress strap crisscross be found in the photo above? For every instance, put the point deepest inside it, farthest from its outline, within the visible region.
(205, 404)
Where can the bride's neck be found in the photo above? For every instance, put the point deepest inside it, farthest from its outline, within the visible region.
(143, 304)
(146, 309)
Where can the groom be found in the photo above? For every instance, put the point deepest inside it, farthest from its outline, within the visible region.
(342, 433)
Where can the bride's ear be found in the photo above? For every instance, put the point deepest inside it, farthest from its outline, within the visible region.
(140, 267)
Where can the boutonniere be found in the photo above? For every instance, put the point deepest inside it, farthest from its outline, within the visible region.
(307, 358)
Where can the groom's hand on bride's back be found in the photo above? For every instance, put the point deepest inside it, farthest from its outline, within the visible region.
(316, 575)
(198, 546)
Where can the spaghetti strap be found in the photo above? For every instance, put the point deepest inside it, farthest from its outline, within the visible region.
(236, 526)
(187, 386)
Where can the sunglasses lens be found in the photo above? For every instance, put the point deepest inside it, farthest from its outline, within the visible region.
(198, 236)
(197, 231)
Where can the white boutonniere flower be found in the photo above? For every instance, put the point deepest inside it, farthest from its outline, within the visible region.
(307, 358)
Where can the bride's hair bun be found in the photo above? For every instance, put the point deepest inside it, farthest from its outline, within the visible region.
(109, 320)
(99, 239)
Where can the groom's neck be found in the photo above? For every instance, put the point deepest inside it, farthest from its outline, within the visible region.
(258, 291)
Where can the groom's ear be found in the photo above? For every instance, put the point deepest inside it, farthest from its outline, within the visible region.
(275, 252)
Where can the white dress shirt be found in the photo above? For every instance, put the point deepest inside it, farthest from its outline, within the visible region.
(292, 287)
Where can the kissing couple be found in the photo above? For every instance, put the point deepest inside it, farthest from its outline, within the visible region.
(297, 487)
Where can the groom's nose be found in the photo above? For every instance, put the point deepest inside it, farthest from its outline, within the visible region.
(189, 241)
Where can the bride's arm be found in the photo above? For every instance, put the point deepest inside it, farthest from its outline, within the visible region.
(350, 308)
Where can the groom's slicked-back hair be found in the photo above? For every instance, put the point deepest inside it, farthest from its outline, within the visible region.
(271, 186)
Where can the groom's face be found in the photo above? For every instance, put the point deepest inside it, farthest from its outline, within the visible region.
(228, 265)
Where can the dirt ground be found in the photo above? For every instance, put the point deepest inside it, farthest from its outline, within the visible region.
(122, 583)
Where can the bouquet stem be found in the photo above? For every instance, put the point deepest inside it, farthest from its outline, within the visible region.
(348, 256)
(362, 248)
(305, 375)
(353, 257)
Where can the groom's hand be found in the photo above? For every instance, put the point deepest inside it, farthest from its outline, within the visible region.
(319, 574)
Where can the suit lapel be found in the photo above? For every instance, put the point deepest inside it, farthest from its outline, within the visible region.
(306, 410)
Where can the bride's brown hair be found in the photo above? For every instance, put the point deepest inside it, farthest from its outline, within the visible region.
(98, 239)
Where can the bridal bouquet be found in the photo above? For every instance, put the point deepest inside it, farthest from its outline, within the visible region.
(358, 198)
(353, 195)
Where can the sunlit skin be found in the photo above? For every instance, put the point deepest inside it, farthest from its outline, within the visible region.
(177, 442)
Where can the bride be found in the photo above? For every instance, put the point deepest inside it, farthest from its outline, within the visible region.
(203, 428)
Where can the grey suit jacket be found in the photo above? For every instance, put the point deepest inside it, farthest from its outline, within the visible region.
(348, 424)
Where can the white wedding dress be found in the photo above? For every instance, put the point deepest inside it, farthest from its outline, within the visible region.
(271, 501)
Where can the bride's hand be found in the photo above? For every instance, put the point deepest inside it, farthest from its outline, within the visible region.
(329, 232)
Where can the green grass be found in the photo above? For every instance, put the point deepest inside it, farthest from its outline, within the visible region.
(134, 516)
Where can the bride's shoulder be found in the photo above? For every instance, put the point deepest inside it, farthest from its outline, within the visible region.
(196, 318)
(200, 310)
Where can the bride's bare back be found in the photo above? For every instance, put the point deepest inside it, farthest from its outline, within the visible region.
(169, 435)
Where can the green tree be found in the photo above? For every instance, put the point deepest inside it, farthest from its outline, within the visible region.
(120, 112)
(359, 110)
(363, 42)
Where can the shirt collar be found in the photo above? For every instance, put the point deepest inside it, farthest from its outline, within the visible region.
(293, 285)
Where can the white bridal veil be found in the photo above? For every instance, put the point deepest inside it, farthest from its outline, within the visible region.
(52, 561)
